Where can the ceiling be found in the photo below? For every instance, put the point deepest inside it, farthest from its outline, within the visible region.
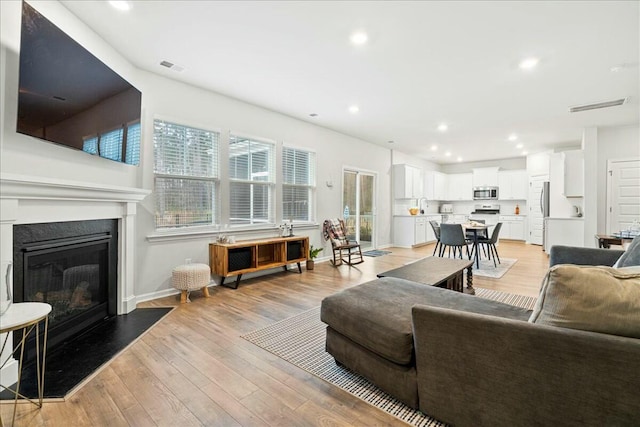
(424, 63)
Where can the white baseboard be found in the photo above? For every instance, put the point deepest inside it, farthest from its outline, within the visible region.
(9, 373)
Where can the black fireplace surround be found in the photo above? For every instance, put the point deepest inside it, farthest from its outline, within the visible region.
(70, 265)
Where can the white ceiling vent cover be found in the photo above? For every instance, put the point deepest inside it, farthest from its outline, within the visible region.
(172, 66)
(595, 106)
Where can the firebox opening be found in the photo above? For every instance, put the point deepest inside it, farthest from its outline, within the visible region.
(75, 274)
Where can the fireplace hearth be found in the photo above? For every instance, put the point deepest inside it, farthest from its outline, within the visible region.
(72, 266)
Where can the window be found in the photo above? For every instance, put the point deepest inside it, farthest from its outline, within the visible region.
(110, 144)
(186, 175)
(251, 176)
(299, 171)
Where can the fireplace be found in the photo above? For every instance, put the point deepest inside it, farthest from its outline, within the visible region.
(73, 267)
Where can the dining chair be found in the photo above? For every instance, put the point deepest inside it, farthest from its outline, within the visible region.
(451, 235)
(436, 231)
(490, 244)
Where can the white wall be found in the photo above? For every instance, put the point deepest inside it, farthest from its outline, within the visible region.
(503, 164)
(186, 104)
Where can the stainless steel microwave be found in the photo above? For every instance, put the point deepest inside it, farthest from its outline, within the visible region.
(485, 193)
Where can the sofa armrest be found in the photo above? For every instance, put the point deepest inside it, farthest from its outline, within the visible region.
(474, 369)
(583, 256)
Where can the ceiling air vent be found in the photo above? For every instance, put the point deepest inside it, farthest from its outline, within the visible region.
(597, 105)
(172, 66)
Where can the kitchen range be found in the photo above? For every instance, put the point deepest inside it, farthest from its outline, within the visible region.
(487, 212)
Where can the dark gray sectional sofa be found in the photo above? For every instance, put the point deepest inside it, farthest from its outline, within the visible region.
(470, 361)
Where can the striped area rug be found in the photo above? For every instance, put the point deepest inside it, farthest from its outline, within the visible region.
(300, 341)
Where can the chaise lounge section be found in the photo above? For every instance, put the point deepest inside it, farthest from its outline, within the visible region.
(470, 361)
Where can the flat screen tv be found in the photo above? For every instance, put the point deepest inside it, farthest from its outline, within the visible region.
(70, 97)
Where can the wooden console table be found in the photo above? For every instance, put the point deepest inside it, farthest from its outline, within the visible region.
(236, 259)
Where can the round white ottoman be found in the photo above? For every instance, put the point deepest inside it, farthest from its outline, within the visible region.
(189, 277)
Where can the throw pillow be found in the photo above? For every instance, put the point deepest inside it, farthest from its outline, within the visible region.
(631, 256)
(598, 299)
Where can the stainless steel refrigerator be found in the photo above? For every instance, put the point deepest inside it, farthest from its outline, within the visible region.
(544, 210)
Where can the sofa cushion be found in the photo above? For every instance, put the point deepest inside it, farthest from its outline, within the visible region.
(591, 298)
(377, 314)
(631, 256)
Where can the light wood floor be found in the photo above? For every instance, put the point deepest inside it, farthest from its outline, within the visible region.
(193, 368)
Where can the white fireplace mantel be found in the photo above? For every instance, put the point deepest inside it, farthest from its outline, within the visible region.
(31, 199)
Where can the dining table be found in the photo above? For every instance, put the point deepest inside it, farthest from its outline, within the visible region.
(475, 227)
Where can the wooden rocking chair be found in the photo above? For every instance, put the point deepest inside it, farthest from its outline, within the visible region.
(344, 251)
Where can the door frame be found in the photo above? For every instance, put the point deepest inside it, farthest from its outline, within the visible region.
(609, 184)
(358, 170)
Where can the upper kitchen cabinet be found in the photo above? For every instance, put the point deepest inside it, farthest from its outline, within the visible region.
(460, 186)
(435, 185)
(485, 177)
(513, 185)
(407, 182)
(573, 173)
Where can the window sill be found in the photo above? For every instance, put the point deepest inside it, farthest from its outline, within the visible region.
(193, 233)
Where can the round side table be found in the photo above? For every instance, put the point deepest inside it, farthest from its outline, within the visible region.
(26, 316)
(190, 277)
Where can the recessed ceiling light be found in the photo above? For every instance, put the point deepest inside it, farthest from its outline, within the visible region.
(434, 147)
(390, 142)
(354, 109)
(359, 37)
(459, 159)
(519, 146)
(120, 5)
(524, 153)
(529, 63)
(448, 154)
(442, 127)
(313, 114)
(513, 137)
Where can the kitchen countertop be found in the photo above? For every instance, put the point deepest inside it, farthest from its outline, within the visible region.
(421, 215)
(572, 218)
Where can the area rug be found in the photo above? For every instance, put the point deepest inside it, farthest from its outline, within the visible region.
(300, 341)
(375, 253)
(69, 365)
(487, 269)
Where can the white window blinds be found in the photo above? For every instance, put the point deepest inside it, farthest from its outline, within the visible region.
(299, 180)
(252, 178)
(186, 175)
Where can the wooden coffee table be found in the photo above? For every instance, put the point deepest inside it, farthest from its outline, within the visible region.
(436, 271)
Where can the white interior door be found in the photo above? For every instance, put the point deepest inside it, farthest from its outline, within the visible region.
(536, 217)
(623, 194)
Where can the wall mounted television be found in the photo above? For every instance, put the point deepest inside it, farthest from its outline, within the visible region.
(69, 97)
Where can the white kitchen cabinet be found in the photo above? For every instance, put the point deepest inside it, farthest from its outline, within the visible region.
(513, 185)
(407, 182)
(485, 177)
(409, 231)
(573, 173)
(460, 186)
(563, 231)
(440, 186)
(512, 227)
(428, 186)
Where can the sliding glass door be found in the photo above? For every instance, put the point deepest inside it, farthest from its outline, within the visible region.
(358, 201)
